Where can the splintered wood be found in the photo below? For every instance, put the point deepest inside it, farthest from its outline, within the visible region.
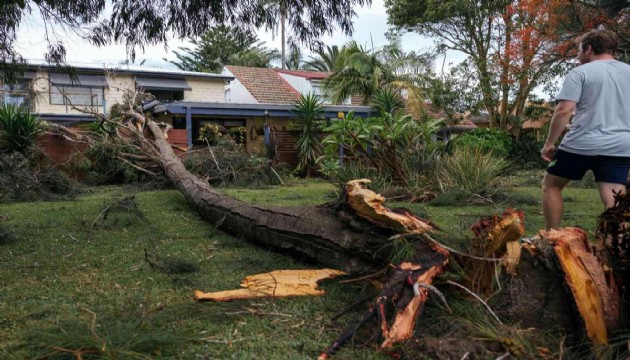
(406, 288)
(405, 320)
(279, 283)
(369, 205)
(595, 293)
(495, 237)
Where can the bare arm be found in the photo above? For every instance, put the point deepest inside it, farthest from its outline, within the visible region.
(559, 121)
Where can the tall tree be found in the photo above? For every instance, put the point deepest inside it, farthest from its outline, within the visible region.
(224, 45)
(325, 59)
(147, 22)
(294, 60)
(513, 45)
(364, 72)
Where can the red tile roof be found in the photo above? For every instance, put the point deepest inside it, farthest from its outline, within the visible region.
(265, 85)
(309, 75)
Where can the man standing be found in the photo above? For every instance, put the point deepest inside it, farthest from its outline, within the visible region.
(598, 92)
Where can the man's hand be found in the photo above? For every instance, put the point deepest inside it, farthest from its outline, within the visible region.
(547, 151)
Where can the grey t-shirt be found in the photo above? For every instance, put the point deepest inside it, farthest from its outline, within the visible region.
(601, 125)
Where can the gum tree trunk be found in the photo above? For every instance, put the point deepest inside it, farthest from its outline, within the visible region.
(315, 233)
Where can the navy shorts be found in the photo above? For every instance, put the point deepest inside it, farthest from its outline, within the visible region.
(608, 169)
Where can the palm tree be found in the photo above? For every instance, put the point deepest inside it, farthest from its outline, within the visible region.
(327, 60)
(294, 61)
(363, 72)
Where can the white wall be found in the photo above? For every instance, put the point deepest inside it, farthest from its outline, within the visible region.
(302, 85)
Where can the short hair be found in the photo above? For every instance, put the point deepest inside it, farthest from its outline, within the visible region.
(601, 41)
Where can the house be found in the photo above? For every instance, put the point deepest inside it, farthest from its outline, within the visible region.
(251, 97)
(69, 96)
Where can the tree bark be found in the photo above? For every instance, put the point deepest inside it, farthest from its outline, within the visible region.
(315, 233)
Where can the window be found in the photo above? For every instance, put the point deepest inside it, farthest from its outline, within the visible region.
(16, 94)
(228, 97)
(76, 95)
(167, 95)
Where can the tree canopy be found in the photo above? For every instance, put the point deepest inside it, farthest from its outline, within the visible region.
(512, 46)
(140, 23)
(224, 45)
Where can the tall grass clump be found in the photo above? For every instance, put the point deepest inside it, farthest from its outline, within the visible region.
(472, 172)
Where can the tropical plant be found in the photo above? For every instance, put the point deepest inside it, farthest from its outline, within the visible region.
(394, 150)
(211, 133)
(470, 171)
(326, 60)
(388, 101)
(238, 134)
(382, 142)
(309, 111)
(18, 129)
(363, 72)
(294, 60)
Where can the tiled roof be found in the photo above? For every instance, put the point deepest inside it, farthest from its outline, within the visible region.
(265, 85)
(310, 75)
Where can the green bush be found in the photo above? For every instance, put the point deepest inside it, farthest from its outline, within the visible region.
(525, 153)
(470, 171)
(499, 142)
(212, 133)
(238, 134)
(18, 129)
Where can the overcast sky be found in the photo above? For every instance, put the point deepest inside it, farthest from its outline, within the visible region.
(370, 27)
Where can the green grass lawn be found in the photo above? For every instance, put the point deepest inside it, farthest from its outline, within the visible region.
(75, 277)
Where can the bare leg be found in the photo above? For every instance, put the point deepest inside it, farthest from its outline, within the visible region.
(553, 206)
(606, 192)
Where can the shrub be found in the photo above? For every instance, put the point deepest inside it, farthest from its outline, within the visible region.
(526, 153)
(18, 129)
(470, 171)
(212, 133)
(498, 142)
(238, 134)
(394, 151)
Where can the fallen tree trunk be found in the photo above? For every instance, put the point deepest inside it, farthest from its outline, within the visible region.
(316, 233)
